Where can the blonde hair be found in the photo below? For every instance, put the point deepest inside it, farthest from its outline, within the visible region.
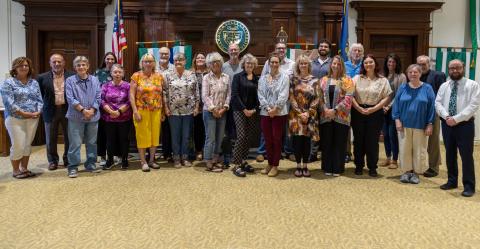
(140, 64)
(248, 58)
(303, 58)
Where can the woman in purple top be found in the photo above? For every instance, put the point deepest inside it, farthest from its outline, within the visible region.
(117, 115)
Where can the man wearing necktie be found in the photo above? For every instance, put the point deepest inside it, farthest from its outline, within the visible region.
(457, 102)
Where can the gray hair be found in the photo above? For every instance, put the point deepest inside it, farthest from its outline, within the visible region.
(424, 57)
(79, 59)
(212, 57)
(248, 58)
(414, 66)
(356, 45)
(179, 55)
(116, 66)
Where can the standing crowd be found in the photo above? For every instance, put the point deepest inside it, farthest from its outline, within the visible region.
(217, 110)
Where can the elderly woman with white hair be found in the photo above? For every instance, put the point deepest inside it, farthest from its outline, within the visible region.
(245, 105)
(181, 101)
(84, 99)
(216, 92)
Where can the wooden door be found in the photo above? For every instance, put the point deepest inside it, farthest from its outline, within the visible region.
(402, 45)
(69, 44)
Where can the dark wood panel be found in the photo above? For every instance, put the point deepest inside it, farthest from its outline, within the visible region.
(403, 46)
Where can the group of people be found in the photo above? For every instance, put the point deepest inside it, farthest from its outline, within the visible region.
(218, 107)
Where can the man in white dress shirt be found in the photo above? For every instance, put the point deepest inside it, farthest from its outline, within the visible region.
(457, 101)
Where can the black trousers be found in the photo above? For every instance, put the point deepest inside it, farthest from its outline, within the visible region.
(301, 148)
(334, 140)
(101, 139)
(366, 132)
(116, 134)
(460, 137)
(166, 139)
(198, 132)
(51, 136)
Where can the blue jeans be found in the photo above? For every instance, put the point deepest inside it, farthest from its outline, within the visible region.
(261, 147)
(79, 132)
(390, 138)
(214, 132)
(180, 129)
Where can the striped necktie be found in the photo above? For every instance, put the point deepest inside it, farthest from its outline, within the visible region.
(452, 104)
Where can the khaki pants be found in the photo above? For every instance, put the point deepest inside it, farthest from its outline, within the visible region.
(433, 149)
(413, 150)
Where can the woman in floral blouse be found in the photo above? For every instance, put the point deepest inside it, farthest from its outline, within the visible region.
(337, 89)
(117, 115)
(181, 100)
(302, 118)
(216, 101)
(147, 103)
(23, 105)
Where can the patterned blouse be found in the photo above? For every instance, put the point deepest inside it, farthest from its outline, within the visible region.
(342, 99)
(371, 92)
(149, 91)
(273, 92)
(21, 97)
(116, 96)
(304, 97)
(103, 75)
(180, 94)
(216, 92)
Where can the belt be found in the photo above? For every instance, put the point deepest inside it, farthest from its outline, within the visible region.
(366, 106)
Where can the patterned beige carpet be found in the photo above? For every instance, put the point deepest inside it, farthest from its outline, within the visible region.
(190, 208)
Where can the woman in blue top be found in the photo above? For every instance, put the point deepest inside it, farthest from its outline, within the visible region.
(413, 112)
(23, 104)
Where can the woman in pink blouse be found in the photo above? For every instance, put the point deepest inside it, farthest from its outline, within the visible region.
(117, 115)
(216, 92)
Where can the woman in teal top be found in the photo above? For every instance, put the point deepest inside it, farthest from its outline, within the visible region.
(103, 75)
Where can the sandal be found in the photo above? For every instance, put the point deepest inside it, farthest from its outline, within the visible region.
(29, 173)
(298, 172)
(306, 172)
(20, 175)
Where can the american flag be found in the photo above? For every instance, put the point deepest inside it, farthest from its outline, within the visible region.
(119, 41)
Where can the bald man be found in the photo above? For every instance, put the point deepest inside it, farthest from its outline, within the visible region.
(52, 88)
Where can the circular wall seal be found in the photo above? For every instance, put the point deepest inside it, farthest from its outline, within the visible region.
(232, 31)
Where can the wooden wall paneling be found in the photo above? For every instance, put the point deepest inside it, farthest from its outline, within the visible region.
(405, 22)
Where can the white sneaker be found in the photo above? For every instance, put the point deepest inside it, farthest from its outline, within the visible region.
(103, 161)
(145, 167)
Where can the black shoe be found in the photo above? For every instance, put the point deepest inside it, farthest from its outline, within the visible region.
(124, 165)
(248, 168)
(108, 165)
(468, 193)
(448, 186)
(430, 173)
(358, 171)
(238, 171)
(348, 158)
(373, 173)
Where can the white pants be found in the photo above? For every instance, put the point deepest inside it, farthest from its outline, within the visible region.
(413, 150)
(21, 132)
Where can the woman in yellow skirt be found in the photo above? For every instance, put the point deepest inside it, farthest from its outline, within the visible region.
(146, 100)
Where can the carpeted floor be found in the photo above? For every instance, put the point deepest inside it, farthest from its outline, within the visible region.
(190, 208)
